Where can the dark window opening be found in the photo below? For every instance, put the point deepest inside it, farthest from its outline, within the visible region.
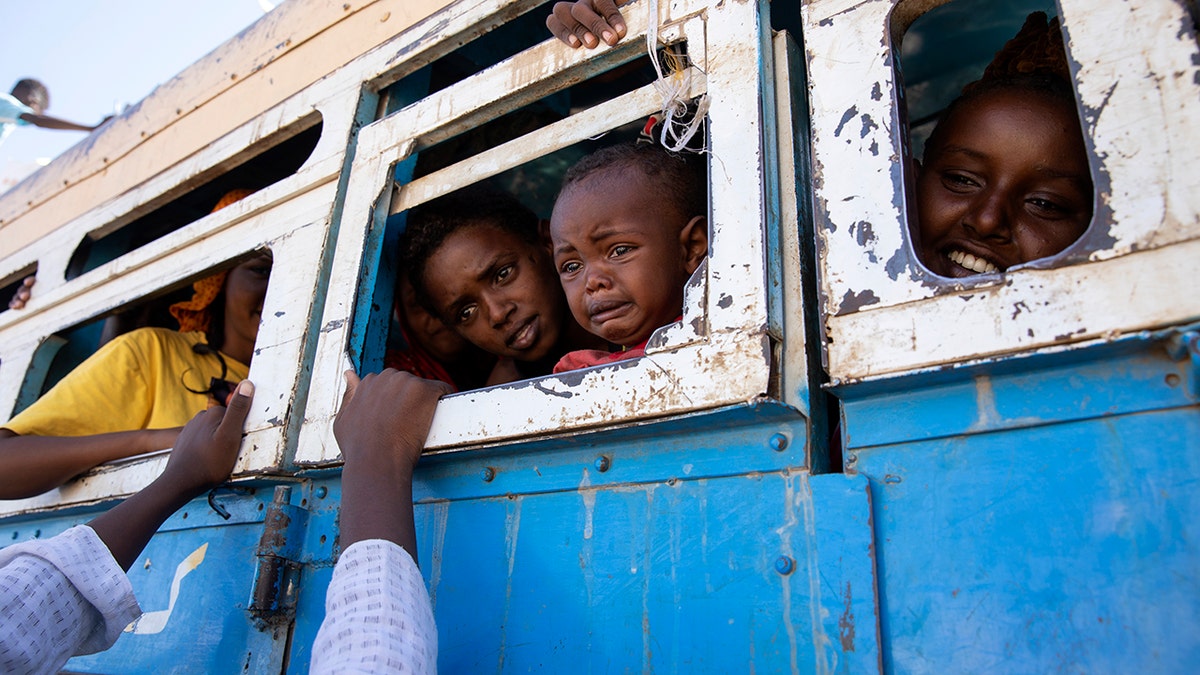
(267, 162)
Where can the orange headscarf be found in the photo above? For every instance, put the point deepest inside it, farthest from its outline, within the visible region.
(193, 315)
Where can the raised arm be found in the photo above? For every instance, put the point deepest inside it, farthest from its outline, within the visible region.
(202, 458)
(72, 580)
(378, 617)
(381, 431)
(586, 22)
(51, 122)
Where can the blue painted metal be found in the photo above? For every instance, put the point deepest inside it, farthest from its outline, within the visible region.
(209, 628)
(1036, 519)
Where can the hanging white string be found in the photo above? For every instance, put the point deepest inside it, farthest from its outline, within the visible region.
(673, 88)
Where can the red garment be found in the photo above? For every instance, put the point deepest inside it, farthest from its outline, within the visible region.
(586, 358)
(417, 361)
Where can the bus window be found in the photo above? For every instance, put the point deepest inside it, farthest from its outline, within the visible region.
(547, 103)
(13, 283)
(941, 302)
(1004, 180)
(413, 334)
(265, 163)
(197, 309)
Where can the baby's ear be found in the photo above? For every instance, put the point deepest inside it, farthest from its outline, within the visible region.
(693, 239)
(544, 234)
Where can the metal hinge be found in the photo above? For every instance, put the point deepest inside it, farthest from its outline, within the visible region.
(273, 600)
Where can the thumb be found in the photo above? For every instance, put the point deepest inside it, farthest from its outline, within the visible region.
(235, 413)
(352, 381)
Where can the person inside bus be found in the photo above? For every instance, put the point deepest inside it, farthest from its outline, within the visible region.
(135, 393)
(429, 348)
(628, 230)
(68, 595)
(1005, 177)
(27, 104)
(480, 261)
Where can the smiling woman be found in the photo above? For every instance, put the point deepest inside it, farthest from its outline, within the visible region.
(1005, 179)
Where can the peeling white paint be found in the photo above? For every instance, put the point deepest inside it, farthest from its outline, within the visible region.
(1138, 88)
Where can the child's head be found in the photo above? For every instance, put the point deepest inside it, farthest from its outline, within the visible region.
(479, 262)
(423, 329)
(628, 229)
(1005, 177)
(33, 94)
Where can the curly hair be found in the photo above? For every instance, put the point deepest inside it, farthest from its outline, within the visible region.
(681, 177)
(431, 223)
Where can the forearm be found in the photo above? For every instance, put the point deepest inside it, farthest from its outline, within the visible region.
(31, 465)
(48, 122)
(127, 527)
(377, 504)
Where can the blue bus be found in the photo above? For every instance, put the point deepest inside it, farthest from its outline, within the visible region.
(836, 461)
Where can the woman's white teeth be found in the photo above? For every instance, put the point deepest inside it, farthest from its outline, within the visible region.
(976, 265)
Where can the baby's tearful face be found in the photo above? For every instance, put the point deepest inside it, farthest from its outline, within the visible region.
(619, 255)
(1005, 181)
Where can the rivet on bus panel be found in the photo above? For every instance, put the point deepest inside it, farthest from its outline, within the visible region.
(487, 474)
(602, 463)
(778, 442)
(785, 565)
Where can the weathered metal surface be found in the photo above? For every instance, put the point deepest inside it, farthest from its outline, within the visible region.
(1037, 520)
(193, 581)
(884, 313)
(285, 52)
(294, 230)
(668, 560)
(722, 334)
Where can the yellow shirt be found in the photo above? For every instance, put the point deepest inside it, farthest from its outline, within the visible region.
(139, 380)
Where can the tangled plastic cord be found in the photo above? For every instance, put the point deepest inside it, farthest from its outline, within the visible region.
(673, 87)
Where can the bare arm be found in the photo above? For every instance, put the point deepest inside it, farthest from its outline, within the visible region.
(580, 22)
(50, 122)
(381, 430)
(31, 465)
(202, 458)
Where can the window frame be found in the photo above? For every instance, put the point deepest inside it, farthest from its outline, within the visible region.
(883, 313)
(720, 354)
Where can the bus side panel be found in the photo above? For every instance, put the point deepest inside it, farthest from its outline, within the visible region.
(766, 572)
(194, 584)
(1058, 533)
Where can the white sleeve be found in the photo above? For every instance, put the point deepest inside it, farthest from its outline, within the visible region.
(377, 615)
(60, 597)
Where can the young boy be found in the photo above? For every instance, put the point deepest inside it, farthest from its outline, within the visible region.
(628, 229)
(27, 105)
(1005, 178)
(479, 261)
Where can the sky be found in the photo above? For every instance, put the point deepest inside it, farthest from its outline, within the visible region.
(97, 56)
